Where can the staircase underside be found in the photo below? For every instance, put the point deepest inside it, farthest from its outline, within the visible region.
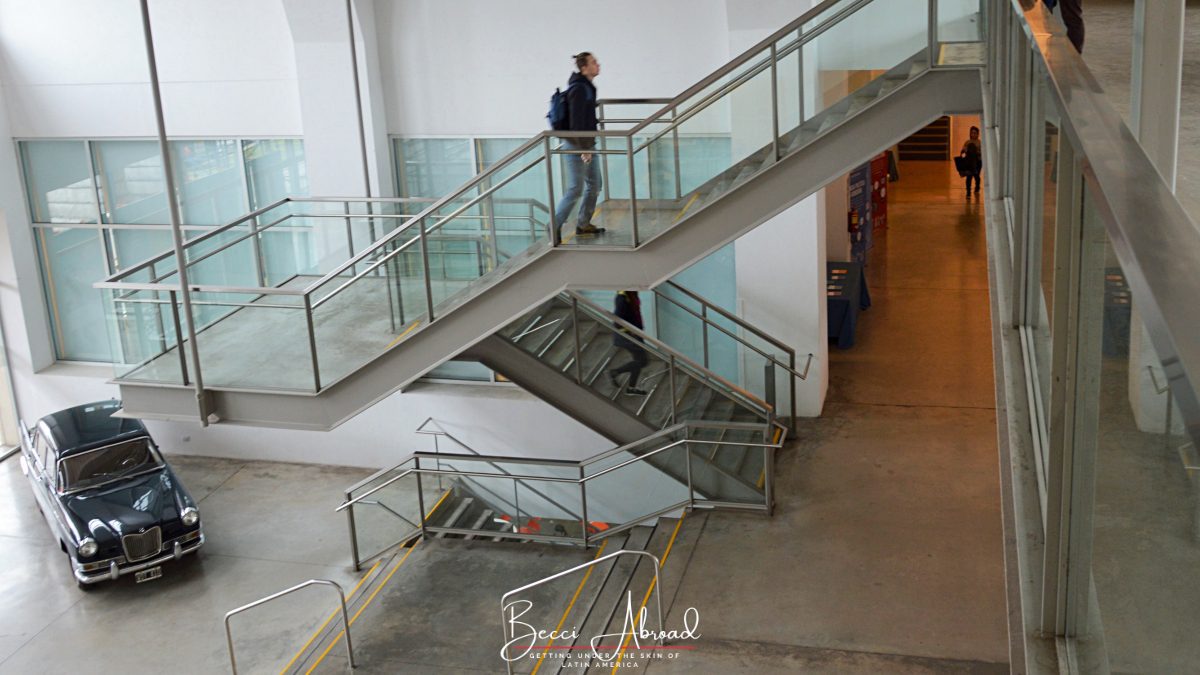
(832, 154)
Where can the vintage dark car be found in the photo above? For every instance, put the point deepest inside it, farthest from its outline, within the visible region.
(108, 494)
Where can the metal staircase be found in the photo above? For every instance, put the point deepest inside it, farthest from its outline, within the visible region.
(311, 342)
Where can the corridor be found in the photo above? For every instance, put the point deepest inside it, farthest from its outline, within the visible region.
(885, 554)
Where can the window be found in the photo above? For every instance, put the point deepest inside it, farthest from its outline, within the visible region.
(100, 206)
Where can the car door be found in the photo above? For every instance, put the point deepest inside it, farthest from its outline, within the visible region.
(39, 458)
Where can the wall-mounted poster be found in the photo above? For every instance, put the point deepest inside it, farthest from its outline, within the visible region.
(879, 185)
(859, 217)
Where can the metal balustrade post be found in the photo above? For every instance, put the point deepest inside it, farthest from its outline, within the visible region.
(671, 375)
(774, 103)
(353, 535)
(552, 225)
(583, 520)
(792, 389)
(312, 342)
(420, 497)
(678, 163)
(158, 320)
(424, 243)
(688, 461)
(183, 367)
(704, 331)
(603, 158)
(575, 329)
(932, 28)
(769, 384)
(633, 193)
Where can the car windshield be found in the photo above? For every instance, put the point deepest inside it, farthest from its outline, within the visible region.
(94, 467)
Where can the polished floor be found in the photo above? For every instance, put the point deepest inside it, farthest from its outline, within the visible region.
(269, 526)
(885, 554)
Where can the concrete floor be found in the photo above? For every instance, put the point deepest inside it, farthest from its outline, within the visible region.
(885, 554)
(265, 530)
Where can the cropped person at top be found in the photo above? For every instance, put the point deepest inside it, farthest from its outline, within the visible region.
(972, 152)
(583, 170)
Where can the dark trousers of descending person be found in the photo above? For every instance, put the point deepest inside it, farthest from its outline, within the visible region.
(583, 179)
(1072, 16)
(973, 174)
(634, 367)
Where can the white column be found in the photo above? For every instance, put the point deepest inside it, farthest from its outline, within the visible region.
(321, 40)
(1157, 76)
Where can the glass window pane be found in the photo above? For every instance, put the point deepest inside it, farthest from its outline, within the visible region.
(275, 169)
(131, 181)
(58, 180)
(72, 260)
(1145, 519)
(461, 370)
(208, 178)
(136, 246)
(432, 167)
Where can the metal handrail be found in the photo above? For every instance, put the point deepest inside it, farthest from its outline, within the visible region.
(1161, 278)
(274, 596)
(767, 408)
(504, 605)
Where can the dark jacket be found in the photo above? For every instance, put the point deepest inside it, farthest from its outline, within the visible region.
(581, 109)
(628, 307)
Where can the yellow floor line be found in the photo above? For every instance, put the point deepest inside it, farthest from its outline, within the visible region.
(646, 599)
(331, 615)
(435, 506)
(686, 206)
(401, 336)
(570, 605)
(354, 618)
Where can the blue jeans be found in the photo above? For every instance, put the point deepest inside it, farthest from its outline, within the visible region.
(582, 179)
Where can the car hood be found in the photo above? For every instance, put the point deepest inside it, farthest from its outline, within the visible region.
(126, 506)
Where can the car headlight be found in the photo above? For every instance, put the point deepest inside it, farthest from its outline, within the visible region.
(190, 516)
(87, 548)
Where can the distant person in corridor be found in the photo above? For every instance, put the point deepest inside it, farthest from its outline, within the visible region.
(583, 171)
(628, 307)
(1071, 12)
(972, 154)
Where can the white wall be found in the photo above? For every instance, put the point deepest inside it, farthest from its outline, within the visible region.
(456, 67)
(79, 68)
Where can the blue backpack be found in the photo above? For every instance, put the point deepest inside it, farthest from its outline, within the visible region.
(558, 115)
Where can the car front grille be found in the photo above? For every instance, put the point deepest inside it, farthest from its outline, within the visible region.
(143, 545)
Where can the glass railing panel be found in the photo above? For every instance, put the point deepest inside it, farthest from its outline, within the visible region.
(391, 514)
(143, 337)
(549, 508)
(523, 177)
(789, 87)
(724, 470)
(625, 453)
(837, 65)
(628, 493)
(737, 108)
(370, 307)
(959, 21)
(1146, 520)
(253, 341)
(830, 14)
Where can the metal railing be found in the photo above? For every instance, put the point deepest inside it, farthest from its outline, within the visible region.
(406, 245)
(575, 476)
(311, 582)
(505, 605)
(707, 308)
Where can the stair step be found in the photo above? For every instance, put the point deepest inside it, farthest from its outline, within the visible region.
(459, 509)
(484, 519)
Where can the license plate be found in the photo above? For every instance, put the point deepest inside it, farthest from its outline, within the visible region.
(148, 575)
